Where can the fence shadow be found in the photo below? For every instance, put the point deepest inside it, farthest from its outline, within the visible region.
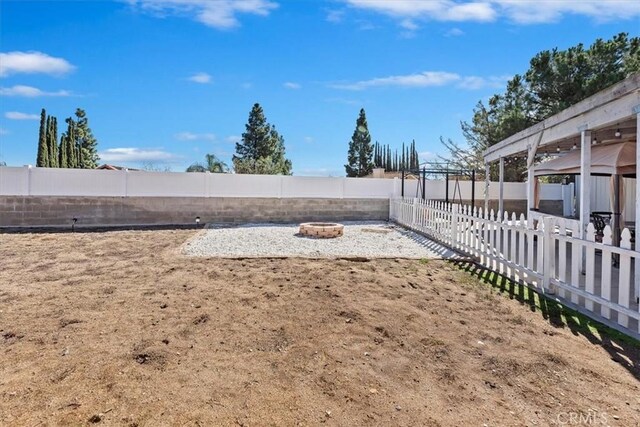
(430, 244)
(621, 348)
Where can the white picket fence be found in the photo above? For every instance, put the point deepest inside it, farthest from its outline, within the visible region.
(552, 258)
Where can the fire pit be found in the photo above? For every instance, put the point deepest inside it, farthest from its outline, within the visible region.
(321, 230)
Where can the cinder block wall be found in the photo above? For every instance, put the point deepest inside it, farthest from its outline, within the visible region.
(36, 211)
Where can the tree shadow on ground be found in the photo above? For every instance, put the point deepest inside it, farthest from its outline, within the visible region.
(622, 349)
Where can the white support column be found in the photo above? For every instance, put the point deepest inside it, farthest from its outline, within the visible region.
(636, 110)
(585, 179)
(531, 185)
(530, 195)
(501, 195)
(487, 179)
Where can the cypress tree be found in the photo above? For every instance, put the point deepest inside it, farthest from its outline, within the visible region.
(52, 142)
(70, 146)
(62, 152)
(43, 153)
(359, 161)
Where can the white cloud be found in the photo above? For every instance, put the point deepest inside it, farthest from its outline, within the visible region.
(202, 78)
(32, 63)
(190, 136)
(427, 156)
(537, 12)
(335, 16)
(409, 24)
(16, 115)
(308, 139)
(135, 155)
(518, 11)
(440, 10)
(427, 79)
(292, 85)
(475, 82)
(3, 131)
(454, 32)
(246, 86)
(220, 14)
(233, 139)
(424, 79)
(30, 92)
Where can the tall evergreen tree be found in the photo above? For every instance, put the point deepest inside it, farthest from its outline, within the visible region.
(43, 152)
(62, 152)
(359, 161)
(70, 147)
(52, 142)
(261, 150)
(87, 145)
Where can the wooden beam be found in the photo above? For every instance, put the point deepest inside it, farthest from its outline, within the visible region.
(610, 94)
(533, 150)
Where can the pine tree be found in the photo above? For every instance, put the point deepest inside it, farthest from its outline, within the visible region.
(360, 149)
(86, 143)
(43, 153)
(261, 150)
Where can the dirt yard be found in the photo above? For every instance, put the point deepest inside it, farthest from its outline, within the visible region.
(120, 329)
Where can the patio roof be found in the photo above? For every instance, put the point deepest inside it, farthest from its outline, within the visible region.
(604, 112)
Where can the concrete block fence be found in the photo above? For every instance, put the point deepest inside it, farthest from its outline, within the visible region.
(41, 197)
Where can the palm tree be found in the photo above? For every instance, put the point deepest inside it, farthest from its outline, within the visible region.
(215, 165)
(212, 164)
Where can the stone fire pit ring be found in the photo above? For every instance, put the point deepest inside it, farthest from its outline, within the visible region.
(321, 230)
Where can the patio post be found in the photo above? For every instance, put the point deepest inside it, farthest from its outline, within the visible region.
(501, 187)
(585, 188)
(530, 195)
(585, 179)
(636, 110)
(487, 177)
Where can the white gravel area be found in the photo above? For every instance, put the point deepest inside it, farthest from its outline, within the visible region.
(360, 240)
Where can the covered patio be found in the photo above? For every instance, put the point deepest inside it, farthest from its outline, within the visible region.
(594, 144)
(595, 137)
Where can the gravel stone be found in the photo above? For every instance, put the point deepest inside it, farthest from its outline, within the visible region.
(360, 239)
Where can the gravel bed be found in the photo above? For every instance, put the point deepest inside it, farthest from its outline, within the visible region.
(361, 240)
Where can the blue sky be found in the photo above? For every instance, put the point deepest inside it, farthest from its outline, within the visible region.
(166, 81)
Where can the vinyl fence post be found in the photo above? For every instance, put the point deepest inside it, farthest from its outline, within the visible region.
(28, 180)
(414, 212)
(454, 225)
(548, 261)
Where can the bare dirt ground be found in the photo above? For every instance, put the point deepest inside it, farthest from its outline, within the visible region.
(119, 329)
